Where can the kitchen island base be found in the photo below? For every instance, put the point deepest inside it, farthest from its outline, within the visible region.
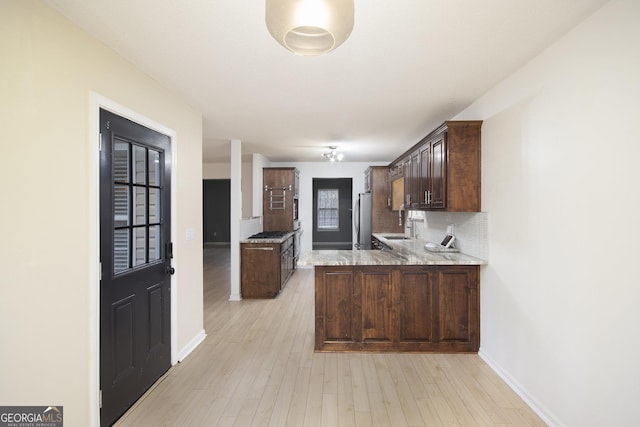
(266, 265)
(397, 308)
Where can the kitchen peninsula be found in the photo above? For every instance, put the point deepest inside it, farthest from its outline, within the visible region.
(403, 299)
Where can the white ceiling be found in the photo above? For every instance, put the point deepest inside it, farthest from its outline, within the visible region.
(408, 66)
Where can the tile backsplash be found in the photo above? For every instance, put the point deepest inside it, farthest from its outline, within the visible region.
(470, 229)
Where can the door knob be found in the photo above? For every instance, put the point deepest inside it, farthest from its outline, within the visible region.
(170, 270)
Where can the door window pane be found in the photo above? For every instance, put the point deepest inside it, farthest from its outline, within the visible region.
(140, 246)
(154, 167)
(121, 205)
(140, 205)
(328, 208)
(154, 205)
(140, 164)
(120, 250)
(121, 161)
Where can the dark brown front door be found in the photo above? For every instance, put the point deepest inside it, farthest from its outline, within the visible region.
(135, 256)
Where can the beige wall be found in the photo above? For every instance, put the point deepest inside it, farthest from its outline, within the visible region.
(223, 171)
(216, 170)
(559, 298)
(48, 255)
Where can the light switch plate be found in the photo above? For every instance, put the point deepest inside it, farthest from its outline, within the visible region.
(190, 234)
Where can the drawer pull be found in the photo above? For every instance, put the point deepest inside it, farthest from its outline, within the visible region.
(258, 249)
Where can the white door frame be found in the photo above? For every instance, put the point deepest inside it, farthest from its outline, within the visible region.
(95, 104)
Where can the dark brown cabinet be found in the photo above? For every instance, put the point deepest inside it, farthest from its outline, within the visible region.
(457, 301)
(383, 220)
(287, 260)
(412, 182)
(432, 175)
(396, 186)
(280, 199)
(265, 268)
(442, 171)
(397, 308)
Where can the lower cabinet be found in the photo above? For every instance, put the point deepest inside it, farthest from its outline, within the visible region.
(397, 308)
(265, 268)
(287, 261)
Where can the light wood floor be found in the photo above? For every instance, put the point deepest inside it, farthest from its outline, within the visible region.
(257, 367)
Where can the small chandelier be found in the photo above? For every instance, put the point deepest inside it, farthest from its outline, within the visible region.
(309, 27)
(333, 155)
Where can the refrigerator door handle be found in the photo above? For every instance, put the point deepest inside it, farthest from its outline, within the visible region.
(356, 218)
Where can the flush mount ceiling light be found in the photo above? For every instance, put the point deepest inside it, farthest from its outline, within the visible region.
(333, 155)
(309, 27)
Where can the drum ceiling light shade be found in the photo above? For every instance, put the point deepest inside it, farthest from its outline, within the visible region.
(310, 27)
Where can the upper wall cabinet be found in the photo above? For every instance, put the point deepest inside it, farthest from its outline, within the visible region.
(280, 199)
(442, 172)
(432, 175)
(396, 186)
(383, 220)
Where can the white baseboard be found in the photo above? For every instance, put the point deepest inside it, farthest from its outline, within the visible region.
(533, 403)
(195, 342)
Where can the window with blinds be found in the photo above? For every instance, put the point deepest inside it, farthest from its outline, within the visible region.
(328, 208)
(136, 205)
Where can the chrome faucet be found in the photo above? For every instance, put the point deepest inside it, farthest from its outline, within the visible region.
(411, 225)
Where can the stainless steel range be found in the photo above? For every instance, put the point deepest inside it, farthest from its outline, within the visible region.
(269, 235)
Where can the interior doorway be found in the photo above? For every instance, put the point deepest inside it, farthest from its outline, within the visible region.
(216, 211)
(332, 213)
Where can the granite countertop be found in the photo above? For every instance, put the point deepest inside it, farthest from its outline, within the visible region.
(404, 252)
(274, 240)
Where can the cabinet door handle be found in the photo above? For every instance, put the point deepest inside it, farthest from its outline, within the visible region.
(258, 249)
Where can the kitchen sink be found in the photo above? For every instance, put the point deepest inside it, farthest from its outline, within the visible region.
(396, 237)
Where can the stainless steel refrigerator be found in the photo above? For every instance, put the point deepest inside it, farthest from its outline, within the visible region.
(362, 221)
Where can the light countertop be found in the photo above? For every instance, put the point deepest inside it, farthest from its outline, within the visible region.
(404, 252)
